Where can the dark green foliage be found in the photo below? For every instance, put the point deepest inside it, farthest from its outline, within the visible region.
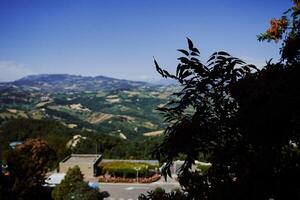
(57, 136)
(244, 121)
(5, 193)
(69, 118)
(201, 113)
(27, 167)
(74, 187)
(114, 147)
(81, 191)
(21, 129)
(160, 194)
(52, 131)
(17, 99)
(141, 148)
(272, 136)
(127, 169)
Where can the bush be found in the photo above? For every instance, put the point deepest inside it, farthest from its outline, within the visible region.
(160, 194)
(74, 187)
(127, 169)
(202, 168)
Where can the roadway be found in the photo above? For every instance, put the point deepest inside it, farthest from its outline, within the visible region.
(131, 191)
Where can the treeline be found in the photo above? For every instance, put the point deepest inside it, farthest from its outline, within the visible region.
(52, 131)
(117, 148)
(57, 135)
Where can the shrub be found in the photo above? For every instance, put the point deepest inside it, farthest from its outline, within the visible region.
(127, 169)
(74, 187)
(202, 168)
(160, 194)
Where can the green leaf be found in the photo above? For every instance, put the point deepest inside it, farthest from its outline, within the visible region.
(211, 58)
(183, 51)
(178, 68)
(158, 69)
(184, 60)
(190, 43)
(196, 50)
(195, 59)
(156, 64)
(185, 74)
(223, 53)
(221, 58)
(253, 67)
(194, 54)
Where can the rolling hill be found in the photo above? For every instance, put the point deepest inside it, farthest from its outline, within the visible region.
(98, 104)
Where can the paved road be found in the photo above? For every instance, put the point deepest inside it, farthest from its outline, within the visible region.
(131, 191)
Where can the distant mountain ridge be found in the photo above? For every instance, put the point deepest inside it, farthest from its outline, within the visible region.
(60, 83)
(64, 77)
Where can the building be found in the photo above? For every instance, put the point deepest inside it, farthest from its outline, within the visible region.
(88, 164)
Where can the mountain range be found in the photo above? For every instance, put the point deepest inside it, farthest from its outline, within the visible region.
(60, 83)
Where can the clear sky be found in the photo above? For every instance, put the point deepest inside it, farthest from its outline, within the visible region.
(119, 38)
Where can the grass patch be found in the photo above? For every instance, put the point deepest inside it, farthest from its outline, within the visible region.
(127, 169)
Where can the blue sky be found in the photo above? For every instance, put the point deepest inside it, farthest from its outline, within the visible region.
(119, 38)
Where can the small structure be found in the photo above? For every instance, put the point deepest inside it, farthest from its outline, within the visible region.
(14, 144)
(54, 179)
(88, 164)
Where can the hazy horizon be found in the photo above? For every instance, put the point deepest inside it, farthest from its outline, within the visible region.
(119, 38)
(155, 81)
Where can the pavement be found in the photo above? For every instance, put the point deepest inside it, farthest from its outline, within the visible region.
(131, 191)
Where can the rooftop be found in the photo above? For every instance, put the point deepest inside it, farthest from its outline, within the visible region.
(82, 158)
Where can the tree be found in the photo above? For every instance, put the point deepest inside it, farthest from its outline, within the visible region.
(74, 187)
(4, 193)
(160, 194)
(27, 166)
(243, 120)
(286, 29)
(202, 115)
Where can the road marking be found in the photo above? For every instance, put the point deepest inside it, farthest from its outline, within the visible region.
(136, 188)
(111, 198)
(129, 188)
